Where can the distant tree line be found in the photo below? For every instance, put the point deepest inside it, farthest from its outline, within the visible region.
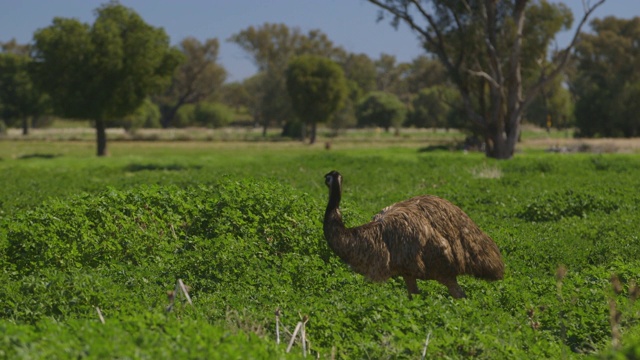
(482, 74)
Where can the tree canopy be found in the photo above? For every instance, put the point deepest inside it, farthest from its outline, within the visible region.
(381, 109)
(607, 81)
(488, 48)
(317, 88)
(197, 78)
(104, 70)
(272, 46)
(433, 107)
(500, 57)
(19, 98)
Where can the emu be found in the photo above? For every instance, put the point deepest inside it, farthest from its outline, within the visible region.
(425, 237)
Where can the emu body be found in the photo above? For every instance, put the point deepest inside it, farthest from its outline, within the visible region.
(425, 237)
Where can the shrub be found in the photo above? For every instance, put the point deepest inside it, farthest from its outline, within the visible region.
(185, 116)
(252, 236)
(381, 109)
(214, 115)
(560, 204)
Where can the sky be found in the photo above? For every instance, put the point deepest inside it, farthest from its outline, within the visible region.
(348, 23)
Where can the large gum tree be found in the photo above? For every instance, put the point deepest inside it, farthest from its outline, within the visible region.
(102, 71)
(495, 52)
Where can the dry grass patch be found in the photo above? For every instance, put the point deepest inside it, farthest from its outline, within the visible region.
(486, 171)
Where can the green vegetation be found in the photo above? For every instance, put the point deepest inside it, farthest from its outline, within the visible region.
(607, 79)
(381, 109)
(471, 41)
(196, 80)
(104, 71)
(19, 98)
(317, 88)
(490, 70)
(241, 225)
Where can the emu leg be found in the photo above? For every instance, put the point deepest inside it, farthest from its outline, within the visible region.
(454, 289)
(412, 285)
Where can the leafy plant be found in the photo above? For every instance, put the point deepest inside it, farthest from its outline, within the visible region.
(558, 205)
(243, 231)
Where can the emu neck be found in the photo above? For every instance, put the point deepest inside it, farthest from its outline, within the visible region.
(333, 224)
(360, 247)
(340, 239)
(335, 194)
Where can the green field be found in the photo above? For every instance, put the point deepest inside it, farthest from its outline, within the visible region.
(241, 224)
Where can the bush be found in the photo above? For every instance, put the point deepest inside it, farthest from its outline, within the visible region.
(185, 116)
(381, 109)
(558, 205)
(432, 107)
(214, 115)
(146, 116)
(233, 235)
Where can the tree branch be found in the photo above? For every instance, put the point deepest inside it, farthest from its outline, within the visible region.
(563, 59)
(485, 76)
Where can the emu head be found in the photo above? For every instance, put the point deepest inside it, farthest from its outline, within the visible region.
(332, 179)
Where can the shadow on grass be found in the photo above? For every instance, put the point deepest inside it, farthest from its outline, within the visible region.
(38, 156)
(159, 167)
(431, 148)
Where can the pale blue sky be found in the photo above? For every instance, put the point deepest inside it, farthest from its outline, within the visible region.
(348, 23)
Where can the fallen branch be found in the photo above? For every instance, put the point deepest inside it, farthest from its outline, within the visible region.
(293, 337)
(278, 326)
(100, 314)
(185, 291)
(426, 344)
(179, 288)
(303, 337)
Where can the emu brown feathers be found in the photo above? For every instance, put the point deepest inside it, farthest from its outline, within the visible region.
(424, 237)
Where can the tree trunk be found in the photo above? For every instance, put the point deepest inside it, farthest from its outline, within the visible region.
(312, 136)
(500, 148)
(101, 137)
(168, 114)
(265, 126)
(25, 125)
(303, 131)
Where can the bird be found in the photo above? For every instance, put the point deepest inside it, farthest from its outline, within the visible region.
(422, 238)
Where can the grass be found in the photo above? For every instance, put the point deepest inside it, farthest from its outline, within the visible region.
(205, 211)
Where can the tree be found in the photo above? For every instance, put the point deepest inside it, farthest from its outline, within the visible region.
(344, 118)
(272, 46)
(361, 70)
(607, 79)
(360, 74)
(19, 98)
(553, 107)
(381, 109)
(197, 78)
(486, 46)
(432, 107)
(235, 95)
(423, 72)
(317, 88)
(389, 73)
(255, 86)
(105, 70)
